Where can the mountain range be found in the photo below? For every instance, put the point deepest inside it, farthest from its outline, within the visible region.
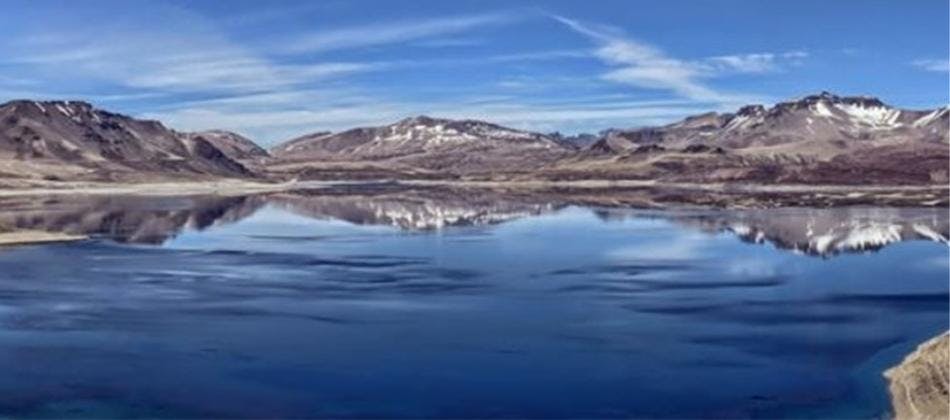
(817, 139)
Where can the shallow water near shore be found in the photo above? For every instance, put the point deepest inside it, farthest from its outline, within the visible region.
(419, 306)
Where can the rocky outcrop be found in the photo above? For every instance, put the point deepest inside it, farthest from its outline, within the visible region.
(919, 385)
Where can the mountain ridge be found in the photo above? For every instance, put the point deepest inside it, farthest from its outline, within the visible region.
(813, 139)
(428, 143)
(823, 116)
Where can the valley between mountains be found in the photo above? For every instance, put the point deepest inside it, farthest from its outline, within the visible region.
(808, 143)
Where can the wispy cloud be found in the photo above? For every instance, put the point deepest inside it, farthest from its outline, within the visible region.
(449, 42)
(643, 65)
(280, 11)
(176, 63)
(17, 81)
(640, 64)
(392, 32)
(929, 64)
(753, 63)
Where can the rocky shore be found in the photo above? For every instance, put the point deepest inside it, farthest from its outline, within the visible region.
(920, 384)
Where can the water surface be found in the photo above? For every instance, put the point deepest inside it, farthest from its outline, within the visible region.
(420, 306)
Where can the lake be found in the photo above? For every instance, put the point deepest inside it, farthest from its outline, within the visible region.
(461, 305)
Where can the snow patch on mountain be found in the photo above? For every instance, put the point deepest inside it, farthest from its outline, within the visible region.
(872, 116)
(931, 117)
(822, 110)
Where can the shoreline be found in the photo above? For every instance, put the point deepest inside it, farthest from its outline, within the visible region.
(147, 189)
(27, 237)
(244, 187)
(726, 187)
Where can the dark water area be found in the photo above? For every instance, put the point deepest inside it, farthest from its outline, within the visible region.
(419, 306)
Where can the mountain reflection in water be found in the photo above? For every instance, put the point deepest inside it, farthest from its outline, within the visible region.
(154, 220)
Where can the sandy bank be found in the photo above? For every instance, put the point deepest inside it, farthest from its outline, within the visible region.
(158, 188)
(24, 237)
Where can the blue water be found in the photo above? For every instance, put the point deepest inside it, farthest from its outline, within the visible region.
(565, 313)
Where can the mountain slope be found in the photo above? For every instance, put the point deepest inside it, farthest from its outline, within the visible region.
(818, 126)
(818, 139)
(234, 145)
(452, 146)
(73, 140)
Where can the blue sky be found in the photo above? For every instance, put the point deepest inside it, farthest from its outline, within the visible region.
(274, 70)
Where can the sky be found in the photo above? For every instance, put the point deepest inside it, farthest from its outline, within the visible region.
(276, 70)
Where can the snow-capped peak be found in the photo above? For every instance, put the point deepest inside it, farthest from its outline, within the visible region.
(439, 131)
(858, 111)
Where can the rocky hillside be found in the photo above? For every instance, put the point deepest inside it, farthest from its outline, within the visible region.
(234, 145)
(69, 140)
(819, 126)
(818, 139)
(450, 146)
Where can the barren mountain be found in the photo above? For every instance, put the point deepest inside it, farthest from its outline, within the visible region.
(73, 140)
(819, 126)
(448, 146)
(237, 147)
(818, 139)
(234, 145)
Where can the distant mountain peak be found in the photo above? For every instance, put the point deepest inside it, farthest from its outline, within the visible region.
(67, 108)
(421, 119)
(751, 110)
(45, 103)
(431, 143)
(460, 125)
(831, 98)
